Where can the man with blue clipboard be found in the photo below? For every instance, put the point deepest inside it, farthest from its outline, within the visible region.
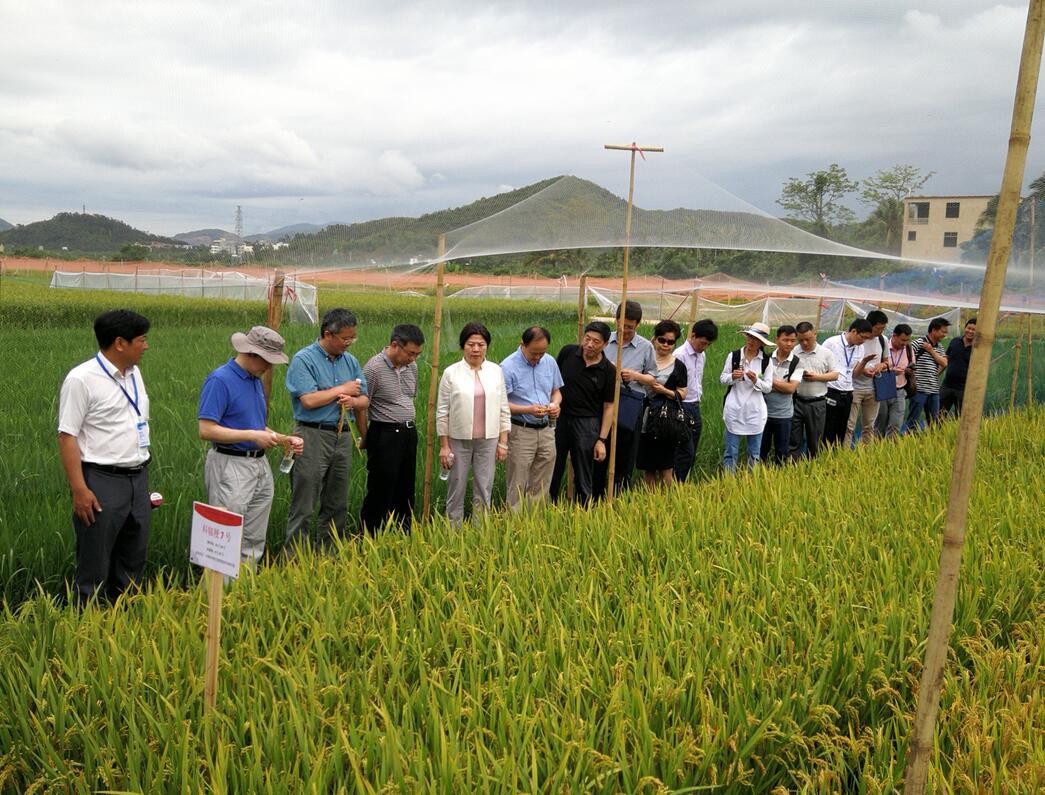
(103, 440)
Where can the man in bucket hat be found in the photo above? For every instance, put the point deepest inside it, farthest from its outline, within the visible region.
(748, 378)
(232, 416)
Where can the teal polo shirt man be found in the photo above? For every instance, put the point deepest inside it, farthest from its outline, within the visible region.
(327, 391)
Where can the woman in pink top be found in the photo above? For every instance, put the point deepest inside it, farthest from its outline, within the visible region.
(472, 420)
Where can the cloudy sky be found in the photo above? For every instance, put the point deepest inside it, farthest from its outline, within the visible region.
(169, 114)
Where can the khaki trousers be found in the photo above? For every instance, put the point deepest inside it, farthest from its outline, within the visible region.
(531, 459)
(865, 405)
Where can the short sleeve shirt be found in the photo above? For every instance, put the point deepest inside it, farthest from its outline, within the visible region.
(234, 398)
(779, 405)
(585, 388)
(529, 384)
(391, 389)
(638, 355)
(958, 357)
(926, 370)
(313, 370)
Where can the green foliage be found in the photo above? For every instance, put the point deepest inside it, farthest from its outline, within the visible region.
(681, 641)
(818, 198)
(132, 252)
(79, 232)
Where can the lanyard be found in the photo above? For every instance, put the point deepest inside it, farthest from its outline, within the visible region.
(847, 351)
(896, 359)
(134, 402)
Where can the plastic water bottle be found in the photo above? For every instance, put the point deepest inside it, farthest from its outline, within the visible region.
(444, 474)
(287, 463)
(551, 419)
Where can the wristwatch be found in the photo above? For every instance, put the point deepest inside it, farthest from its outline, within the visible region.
(603, 439)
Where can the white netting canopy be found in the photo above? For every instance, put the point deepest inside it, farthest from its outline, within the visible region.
(299, 298)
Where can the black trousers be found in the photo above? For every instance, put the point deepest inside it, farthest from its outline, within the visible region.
(110, 554)
(951, 399)
(576, 437)
(627, 449)
(838, 405)
(391, 467)
(807, 427)
(686, 453)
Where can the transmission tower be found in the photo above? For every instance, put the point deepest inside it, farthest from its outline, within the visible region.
(238, 231)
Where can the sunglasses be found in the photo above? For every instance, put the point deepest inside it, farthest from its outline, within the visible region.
(667, 340)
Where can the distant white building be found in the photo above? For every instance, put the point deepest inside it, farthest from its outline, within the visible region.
(934, 227)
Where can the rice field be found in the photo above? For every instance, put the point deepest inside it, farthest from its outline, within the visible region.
(754, 634)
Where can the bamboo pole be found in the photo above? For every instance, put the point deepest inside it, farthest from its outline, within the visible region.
(215, 586)
(433, 384)
(921, 743)
(1033, 238)
(582, 306)
(694, 305)
(275, 319)
(819, 313)
(1016, 364)
(612, 470)
(1030, 361)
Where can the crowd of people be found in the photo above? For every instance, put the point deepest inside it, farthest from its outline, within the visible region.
(535, 412)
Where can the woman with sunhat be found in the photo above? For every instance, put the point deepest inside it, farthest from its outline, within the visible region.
(748, 379)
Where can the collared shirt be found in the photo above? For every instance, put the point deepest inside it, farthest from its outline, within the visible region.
(530, 384)
(846, 358)
(926, 370)
(234, 398)
(455, 407)
(877, 347)
(900, 360)
(585, 387)
(638, 355)
(780, 405)
(313, 370)
(694, 371)
(744, 412)
(391, 389)
(958, 356)
(820, 360)
(94, 409)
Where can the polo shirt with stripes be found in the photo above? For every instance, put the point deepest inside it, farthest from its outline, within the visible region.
(391, 390)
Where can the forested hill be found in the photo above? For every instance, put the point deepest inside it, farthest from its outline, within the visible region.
(77, 232)
(4, 225)
(360, 241)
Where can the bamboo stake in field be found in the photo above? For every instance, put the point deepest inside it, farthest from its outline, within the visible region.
(215, 585)
(1030, 360)
(582, 306)
(921, 743)
(694, 305)
(633, 148)
(1016, 365)
(275, 318)
(819, 312)
(433, 384)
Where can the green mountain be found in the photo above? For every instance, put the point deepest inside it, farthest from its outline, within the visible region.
(4, 225)
(384, 237)
(78, 232)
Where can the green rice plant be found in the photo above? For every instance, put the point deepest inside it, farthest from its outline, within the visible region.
(758, 633)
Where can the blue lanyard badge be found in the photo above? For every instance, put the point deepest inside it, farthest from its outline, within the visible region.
(142, 427)
(847, 351)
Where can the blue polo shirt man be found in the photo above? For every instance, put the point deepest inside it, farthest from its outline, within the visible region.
(232, 416)
(533, 381)
(327, 391)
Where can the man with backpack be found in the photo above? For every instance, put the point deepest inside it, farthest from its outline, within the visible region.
(847, 350)
(746, 375)
(872, 362)
(786, 374)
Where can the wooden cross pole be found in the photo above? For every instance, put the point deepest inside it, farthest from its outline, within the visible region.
(275, 318)
(694, 307)
(433, 384)
(634, 149)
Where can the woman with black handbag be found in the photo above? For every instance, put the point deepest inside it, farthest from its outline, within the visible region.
(665, 424)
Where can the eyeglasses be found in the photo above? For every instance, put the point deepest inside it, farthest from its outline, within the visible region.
(667, 340)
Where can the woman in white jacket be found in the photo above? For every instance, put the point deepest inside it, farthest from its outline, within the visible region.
(472, 420)
(747, 374)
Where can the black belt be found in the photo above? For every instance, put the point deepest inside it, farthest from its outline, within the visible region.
(323, 426)
(533, 425)
(220, 448)
(115, 470)
(811, 400)
(409, 425)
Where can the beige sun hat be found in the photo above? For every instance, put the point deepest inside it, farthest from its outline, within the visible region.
(760, 331)
(262, 341)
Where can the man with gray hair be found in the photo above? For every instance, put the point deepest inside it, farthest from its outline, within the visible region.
(233, 417)
(325, 382)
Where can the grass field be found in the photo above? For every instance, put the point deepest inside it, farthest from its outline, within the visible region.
(47, 332)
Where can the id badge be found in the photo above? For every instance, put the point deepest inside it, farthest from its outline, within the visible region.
(143, 434)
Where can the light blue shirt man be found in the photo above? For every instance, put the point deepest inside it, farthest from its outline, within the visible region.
(531, 384)
(312, 370)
